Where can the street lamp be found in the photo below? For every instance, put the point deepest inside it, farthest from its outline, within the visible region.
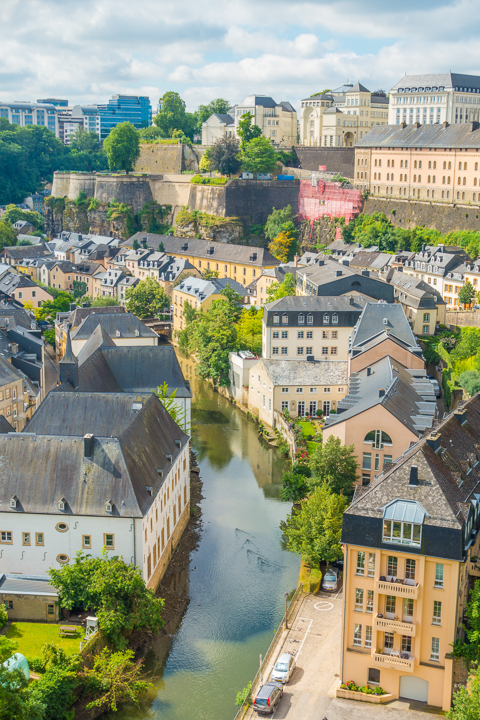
(286, 610)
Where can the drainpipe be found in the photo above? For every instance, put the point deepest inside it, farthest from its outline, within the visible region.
(345, 576)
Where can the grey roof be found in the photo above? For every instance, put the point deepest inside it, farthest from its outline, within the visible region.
(424, 136)
(301, 372)
(415, 292)
(263, 100)
(225, 118)
(447, 80)
(9, 373)
(99, 338)
(207, 249)
(287, 106)
(11, 316)
(26, 585)
(329, 277)
(379, 100)
(378, 318)
(372, 260)
(333, 111)
(27, 251)
(318, 303)
(42, 469)
(5, 426)
(407, 394)
(80, 313)
(127, 324)
(9, 282)
(358, 88)
(202, 289)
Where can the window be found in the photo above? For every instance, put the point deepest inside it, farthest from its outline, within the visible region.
(388, 640)
(63, 559)
(390, 604)
(439, 575)
(313, 389)
(426, 317)
(370, 601)
(275, 334)
(61, 527)
(274, 350)
(263, 400)
(284, 351)
(334, 334)
(367, 461)
(26, 538)
(299, 350)
(300, 334)
(378, 438)
(6, 536)
(407, 610)
(309, 350)
(360, 563)
(39, 539)
(109, 541)
(410, 569)
(357, 635)
(406, 644)
(402, 523)
(425, 329)
(392, 566)
(333, 350)
(309, 334)
(325, 334)
(276, 319)
(435, 651)
(359, 600)
(437, 613)
(374, 676)
(324, 350)
(299, 390)
(326, 319)
(368, 636)
(371, 564)
(309, 319)
(335, 320)
(285, 389)
(301, 319)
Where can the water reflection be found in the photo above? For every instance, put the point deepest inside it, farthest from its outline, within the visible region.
(232, 600)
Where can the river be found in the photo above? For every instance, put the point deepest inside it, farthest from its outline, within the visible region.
(237, 578)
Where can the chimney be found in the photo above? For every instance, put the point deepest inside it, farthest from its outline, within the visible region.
(461, 416)
(295, 260)
(351, 300)
(381, 392)
(72, 307)
(68, 365)
(369, 371)
(365, 273)
(413, 476)
(433, 441)
(403, 124)
(475, 125)
(445, 124)
(88, 445)
(338, 273)
(321, 262)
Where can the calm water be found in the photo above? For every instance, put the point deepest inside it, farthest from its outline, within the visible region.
(237, 578)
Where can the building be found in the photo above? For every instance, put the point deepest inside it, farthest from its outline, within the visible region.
(374, 261)
(382, 330)
(29, 597)
(89, 116)
(125, 329)
(423, 304)
(297, 386)
(122, 486)
(387, 408)
(243, 263)
(200, 294)
(217, 126)
(124, 108)
(11, 394)
(25, 113)
(35, 202)
(165, 269)
(18, 253)
(425, 162)
(257, 289)
(445, 269)
(310, 327)
(328, 277)
(73, 318)
(277, 121)
(241, 363)
(409, 542)
(437, 98)
(23, 289)
(342, 116)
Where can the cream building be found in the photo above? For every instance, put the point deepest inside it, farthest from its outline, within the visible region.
(217, 126)
(342, 116)
(278, 121)
(298, 386)
(409, 542)
(199, 294)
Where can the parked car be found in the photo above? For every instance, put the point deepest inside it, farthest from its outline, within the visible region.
(331, 579)
(338, 564)
(268, 697)
(283, 668)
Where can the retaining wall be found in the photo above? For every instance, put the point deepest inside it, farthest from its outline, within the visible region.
(444, 217)
(129, 189)
(168, 158)
(253, 200)
(337, 160)
(463, 317)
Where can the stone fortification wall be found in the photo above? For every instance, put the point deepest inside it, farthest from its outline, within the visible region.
(444, 217)
(175, 193)
(336, 160)
(129, 189)
(470, 318)
(168, 159)
(68, 185)
(253, 200)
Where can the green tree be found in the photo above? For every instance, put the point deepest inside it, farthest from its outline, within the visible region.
(12, 214)
(147, 299)
(176, 411)
(284, 247)
(8, 236)
(314, 530)
(334, 464)
(115, 677)
(14, 700)
(277, 290)
(280, 221)
(466, 701)
(469, 380)
(161, 247)
(246, 130)
(85, 141)
(104, 302)
(294, 487)
(210, 274)
(249, 330)
(122, 147)
(259, 156)
(79, 288)
(467, 293)
(173, 116)
(219, 106)
(49, 309)
(223, 156)
(55, 691)
(113, 590)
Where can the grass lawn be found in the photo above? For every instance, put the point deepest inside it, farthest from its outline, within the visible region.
(307, 428)
(312, 446)
(32, 636)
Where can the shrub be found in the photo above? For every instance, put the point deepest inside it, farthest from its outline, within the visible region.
(3, 616)
(244, 695)
(37, 664)
(200, 180)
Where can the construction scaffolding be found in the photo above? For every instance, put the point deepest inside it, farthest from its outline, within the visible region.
(319, 197)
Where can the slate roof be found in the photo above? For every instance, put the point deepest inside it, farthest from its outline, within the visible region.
(371, 260)
(99, 338)
(358, 88)
(378, 318)
(447, 80)
(329, 277)
(42, 469)
(9, 373)
(225, 118)
(408, 395)
(263, 100)
(5, 426)
(11, 282)
(424, 136)
(125, 323)
(26, 251)
(301, 372)
(414, 292)
(201, 289)
(26, 585)
(246, 254)
(318, 303)
(80, 313)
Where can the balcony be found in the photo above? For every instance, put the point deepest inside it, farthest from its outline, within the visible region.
(397, 587)
(403, 628)
(394, 661)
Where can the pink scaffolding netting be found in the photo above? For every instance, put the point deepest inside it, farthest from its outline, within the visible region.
(328, 198)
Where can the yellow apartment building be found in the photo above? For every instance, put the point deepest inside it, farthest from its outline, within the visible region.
(408, 540)
(200, 294)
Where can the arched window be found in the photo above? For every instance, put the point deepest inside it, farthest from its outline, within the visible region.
(378, 438)
(284, 319)
(301, 319)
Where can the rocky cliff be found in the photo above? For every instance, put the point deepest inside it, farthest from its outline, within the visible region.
(197, 224)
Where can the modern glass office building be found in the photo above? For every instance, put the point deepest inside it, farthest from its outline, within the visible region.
(125, 108)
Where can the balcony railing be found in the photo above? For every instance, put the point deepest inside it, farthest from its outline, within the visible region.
(404, 628)
(393, 661)
(398, 587)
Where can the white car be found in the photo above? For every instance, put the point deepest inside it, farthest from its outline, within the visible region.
(283, 668)
(331, 579)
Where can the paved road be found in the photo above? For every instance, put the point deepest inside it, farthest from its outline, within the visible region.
(315, 639)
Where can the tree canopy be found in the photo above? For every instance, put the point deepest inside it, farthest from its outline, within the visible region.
(219, 106)
(223, 155)
(122, 147)
(85, 141)
(147, 299)
(334, 464)
(258, 155)
(467, 293)
(277, 290)
(470, 381)
(284, 247)
(280, 221)
(249, 330)
(173, 116)
(246, 130)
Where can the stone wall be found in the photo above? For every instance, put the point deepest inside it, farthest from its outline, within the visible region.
(470, 318)
(253, 200)
(168, 159)
(130, 189)
(444, 217)
(336, 160)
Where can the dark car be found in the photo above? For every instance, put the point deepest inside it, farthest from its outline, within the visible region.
(268, 697)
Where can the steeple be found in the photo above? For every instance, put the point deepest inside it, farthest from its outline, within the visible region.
(69, 364)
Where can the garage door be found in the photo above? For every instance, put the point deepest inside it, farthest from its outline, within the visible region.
(413, 688)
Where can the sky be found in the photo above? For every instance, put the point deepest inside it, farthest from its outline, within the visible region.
(87, 51)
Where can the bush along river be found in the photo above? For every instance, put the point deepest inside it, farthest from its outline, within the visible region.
(226, 595)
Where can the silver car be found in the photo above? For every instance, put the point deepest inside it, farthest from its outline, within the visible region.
(283, 668)
(331, 579)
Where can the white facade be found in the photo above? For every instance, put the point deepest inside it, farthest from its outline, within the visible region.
(24, 113)
(216, 127)
(429, 99)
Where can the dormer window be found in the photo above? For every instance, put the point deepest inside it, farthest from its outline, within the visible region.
(301, 319)
(284, 319)
(61, 504)
(160, 472)
(326, 319)
(309, 319)
(136, 332)
(117, 333)
(149, 489)
(402, 523)
(109, 506)
(13, 502)
(334, 319)
(169, 458)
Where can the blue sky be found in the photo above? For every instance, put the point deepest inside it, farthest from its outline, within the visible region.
(88, 51)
